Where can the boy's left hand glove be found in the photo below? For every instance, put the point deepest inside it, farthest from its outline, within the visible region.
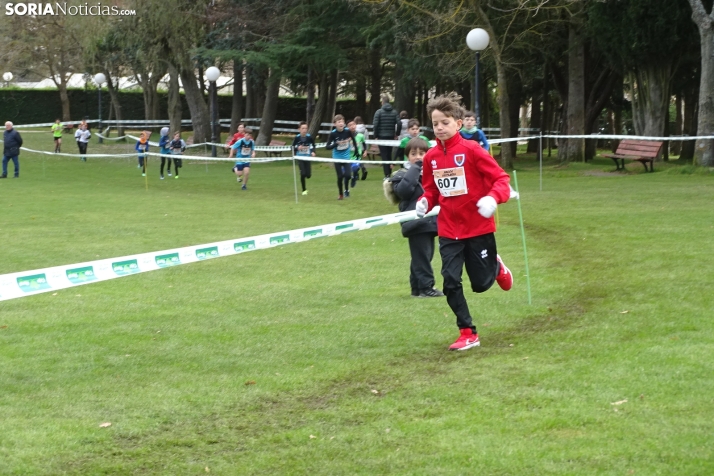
(487, 206)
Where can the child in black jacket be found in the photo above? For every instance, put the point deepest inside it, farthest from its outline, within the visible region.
(405, 188)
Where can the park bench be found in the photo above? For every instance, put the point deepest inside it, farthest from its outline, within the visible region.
(643, 151)
(372, 152)
(276, 153)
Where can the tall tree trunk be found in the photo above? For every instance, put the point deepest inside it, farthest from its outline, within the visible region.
(114, 96)
(321, 105)
(64, 98)
(361, 96)
(260, 88)
(200, 118)
(504, 116)
(536, 123)
(270, 108)
(574, 149)
(310, 109)
(650, 98)
(175, 111)
(237, 102)
(689, 122)
(331, 98)
(375, 90)
(249, 92)
(704, 149)
(675, 147)
(403, 85)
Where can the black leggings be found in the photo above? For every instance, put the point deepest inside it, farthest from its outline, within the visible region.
(305, 172)
(163, 161)
(344, 171)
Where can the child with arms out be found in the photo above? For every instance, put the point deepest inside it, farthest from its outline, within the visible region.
(244, 149)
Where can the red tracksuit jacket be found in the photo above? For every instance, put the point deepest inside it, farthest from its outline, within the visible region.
(457, 174)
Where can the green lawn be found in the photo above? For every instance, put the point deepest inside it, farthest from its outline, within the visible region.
(311, 358)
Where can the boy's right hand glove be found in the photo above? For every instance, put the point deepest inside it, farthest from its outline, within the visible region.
(421, 207)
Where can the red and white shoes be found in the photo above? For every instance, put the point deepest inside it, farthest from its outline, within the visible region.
(504, 278)
(466, 340)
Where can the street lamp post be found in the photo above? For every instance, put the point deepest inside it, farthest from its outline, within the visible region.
(212, 75)
(477, 40)
(99, 79)
(7, 77)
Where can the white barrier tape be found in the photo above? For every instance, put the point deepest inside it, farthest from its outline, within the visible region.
(624, 137)
(28, 283)
(49, 124)
(63, 154)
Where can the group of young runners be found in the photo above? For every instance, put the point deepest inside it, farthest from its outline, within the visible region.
(458, 174)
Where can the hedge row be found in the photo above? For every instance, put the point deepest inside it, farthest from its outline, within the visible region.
(36, 106)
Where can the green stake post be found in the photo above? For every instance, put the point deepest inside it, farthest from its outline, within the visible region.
(523, 236)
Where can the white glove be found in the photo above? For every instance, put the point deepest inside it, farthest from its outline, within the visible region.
(421, 207)
(514, 194)
(487, 206)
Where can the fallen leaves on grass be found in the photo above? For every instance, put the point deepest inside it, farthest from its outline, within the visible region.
(106, 424)
(250, 382)
(619, 402)
(624, 312)
(312, 437)
(3, 327)
(376, 392)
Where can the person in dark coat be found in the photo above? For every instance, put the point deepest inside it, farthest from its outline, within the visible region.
(386, 126)
(405, 188)
(11, 149)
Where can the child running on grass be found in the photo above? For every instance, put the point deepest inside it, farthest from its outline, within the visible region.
(142, 147)
(244, 149)
(57, 135)
(471, 132)
(359, 153)
(82, 137)
(412, 132)
(362, 129)
(461, 177)
(165, 150)
(339, 143)
(404, 188)
(177, 146)
(240, 133)
(304, 146)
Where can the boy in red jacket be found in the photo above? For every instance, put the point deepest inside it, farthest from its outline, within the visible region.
(467, 182)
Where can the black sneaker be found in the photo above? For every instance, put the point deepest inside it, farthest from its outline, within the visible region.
(415, 293)
(353, 182)
(433, 292)
(3, 176)
(364, 175)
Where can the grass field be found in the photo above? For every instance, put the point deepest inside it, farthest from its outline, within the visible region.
(312, 358)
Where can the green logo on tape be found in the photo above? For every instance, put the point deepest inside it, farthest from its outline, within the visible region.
(164, 261)
(278, 239)
(122, 268)
(316, 232)
(207, 253)
(81, 275)
(346, 227)
(244, 246)
(36, 282)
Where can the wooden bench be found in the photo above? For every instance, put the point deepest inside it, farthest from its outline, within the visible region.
(643, 151)
(373, 152)
(276, 153)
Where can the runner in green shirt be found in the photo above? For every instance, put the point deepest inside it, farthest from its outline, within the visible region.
(57, 135)
(413, 128)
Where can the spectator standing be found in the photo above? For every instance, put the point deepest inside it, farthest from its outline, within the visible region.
(386, 127)
(11, 149)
